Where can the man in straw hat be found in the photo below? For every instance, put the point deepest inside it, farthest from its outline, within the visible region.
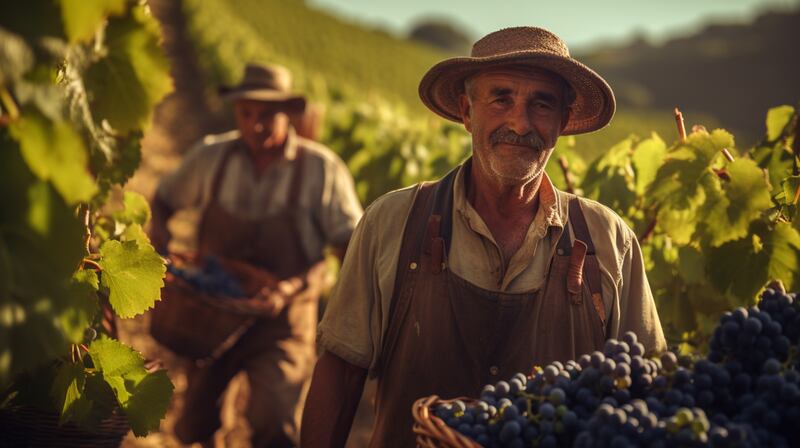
(273, 200)
(451, 285)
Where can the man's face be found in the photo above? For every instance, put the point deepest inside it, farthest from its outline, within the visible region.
(515, 118)
(263, 125)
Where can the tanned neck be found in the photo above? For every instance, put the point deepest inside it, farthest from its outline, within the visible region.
(508, 210)
(264, 158)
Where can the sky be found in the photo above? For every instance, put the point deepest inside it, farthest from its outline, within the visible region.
(582, 24)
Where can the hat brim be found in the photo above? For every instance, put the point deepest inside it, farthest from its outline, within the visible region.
(592, 109)
(290, 100)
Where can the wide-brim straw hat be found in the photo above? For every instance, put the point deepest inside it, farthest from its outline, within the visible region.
(265, 82)
(594, 103)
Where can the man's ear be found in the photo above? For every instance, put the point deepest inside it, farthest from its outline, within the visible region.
(565, 117)
(465, 108)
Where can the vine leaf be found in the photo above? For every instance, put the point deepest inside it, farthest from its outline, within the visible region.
(740, 267)
(67, 392)
(83, 297)
(610, 178)
(741, 200)
(16, 58)
(647, 157)
(134, 273)
(143, 396)
(777, 119)
(134, 75)
(55, 152)
(790, 186)
(81, 18)
(136, 210)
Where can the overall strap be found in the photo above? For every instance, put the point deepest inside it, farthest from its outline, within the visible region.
(591, 268)
(294, 200)
(216, 183)
(297, 179)
(423, 226)
(219, 173)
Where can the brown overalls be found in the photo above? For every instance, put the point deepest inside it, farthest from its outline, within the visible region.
(449, 337)
(277, 354)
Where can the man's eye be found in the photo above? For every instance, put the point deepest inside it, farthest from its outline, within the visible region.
(502, 100)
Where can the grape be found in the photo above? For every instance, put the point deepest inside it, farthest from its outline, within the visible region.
(744, 393)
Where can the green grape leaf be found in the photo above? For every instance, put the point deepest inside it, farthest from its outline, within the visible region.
(647, 158)
(743, 266)
(55, 152)
(610, 178)
(82, 18)
(791, 189)
(135, 232)
(16, 58)
(134, 75)
(148, 405)
(136, 210)
(777, 119)
(743, 198)
(691, 264)
(144, 397)
(67, 392)
(133, 273)
(680, 223)
(74, 319)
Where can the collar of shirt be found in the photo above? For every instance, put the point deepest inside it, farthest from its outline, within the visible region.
(549, 220)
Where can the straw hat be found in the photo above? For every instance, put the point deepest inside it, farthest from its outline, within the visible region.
(269, 83)
(592, 109)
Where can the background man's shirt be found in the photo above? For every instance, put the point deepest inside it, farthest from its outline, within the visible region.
(329, 206)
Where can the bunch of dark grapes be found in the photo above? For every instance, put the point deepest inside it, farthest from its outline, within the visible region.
(745, 393)
(210, 278)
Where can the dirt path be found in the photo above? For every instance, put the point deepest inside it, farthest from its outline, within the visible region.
(180, 120)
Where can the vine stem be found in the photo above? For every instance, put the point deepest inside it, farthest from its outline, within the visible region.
(564, 164)
(680, 124)
(93, 264)
(648, 232)
(8, 104)
(727, 154)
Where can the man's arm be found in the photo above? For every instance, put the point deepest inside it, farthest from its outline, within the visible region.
(336, 389)
(159, 233)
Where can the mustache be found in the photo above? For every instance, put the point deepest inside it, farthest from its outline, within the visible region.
(505, 135)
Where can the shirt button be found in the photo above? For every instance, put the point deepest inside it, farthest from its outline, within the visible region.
(494, 370)
(413, 266)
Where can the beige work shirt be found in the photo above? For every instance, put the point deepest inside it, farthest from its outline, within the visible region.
(356, 317)
(328, 202)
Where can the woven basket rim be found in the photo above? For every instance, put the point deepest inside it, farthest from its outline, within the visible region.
(239, 306)
(432, 431)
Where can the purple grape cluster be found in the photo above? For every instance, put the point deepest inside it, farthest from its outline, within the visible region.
(210, 278)
(745, 393)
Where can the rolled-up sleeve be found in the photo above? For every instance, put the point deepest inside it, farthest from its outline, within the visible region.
(638, 311)
(345, 329)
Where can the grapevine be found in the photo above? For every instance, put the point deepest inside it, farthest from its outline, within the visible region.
(77, 89)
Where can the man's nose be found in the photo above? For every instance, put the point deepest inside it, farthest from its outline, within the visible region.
(519, 119)
(258, 127)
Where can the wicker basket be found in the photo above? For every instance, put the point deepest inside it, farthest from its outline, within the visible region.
(431, 431)
(26, 426)
(201, 327)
